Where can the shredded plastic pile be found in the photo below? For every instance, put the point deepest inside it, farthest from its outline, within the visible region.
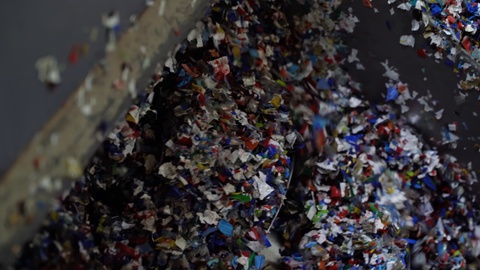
(197, 174)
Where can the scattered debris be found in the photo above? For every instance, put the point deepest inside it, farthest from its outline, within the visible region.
(48, 71)
(200, 170)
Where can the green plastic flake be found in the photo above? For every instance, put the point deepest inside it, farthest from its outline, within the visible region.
(375, 210)
(281, 83)
(319, 215)
(241, 197)
(251, 259)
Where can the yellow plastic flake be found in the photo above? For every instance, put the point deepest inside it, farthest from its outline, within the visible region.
(197, 88)
(67, 245)
(163, 243)
(200, 165)
(277, 101)
(266, 163)
(54, 216)
(236, 51)
(100, 225)
(129, 118)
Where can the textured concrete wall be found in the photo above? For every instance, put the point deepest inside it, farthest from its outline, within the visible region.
(64, 134)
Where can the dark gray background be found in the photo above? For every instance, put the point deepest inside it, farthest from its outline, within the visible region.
(376, 43)
(30, 30)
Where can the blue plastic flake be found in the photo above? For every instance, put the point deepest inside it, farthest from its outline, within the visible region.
(436, 9)
(265, 241)
(272, 151)
(346, 176)
(297, 257)
(234, 261)
(174, 192)
(116, 28)
(232, 17)
(182, 73)
(259, 261)
(353, 139)
(293, 68)
(319, 122)
(145, 248)
(461, 240)
(414, 219)
(331, 82)
(227, 171)
(449, 62)
(472, 8)
(254, 53)
(443, 212)
(251, 209)
(209, 231)
(322, 84)
(392, 93)
(458, 35)
(225, 227)
(184, 81)
(441, 248)
(410, 241)
(268, 174)
(428, 182)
